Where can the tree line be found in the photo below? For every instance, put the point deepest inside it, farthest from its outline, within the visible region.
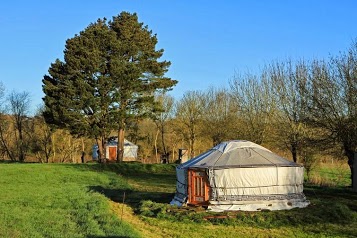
(112, 82)
(26, 137)
(308, 108)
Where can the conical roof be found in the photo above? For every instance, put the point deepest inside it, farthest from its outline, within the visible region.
(238, 153)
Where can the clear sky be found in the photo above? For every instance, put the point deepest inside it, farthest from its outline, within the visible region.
(206, 41)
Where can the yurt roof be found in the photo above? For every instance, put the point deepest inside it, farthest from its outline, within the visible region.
(114, 141)
(238, 153)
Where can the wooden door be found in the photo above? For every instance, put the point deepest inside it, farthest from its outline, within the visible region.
(112, 152)
(198, 187)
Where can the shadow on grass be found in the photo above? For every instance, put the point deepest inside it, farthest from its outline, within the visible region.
(133, 198)
(108, 236)
(127, 168)
(343, 195)
(152, 182)
(149, 175)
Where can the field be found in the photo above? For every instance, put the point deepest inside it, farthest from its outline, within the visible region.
(131, 200)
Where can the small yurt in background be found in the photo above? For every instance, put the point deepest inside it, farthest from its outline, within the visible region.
(240, 175)
(130, 150)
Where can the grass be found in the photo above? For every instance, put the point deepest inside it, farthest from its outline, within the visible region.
(87, 201)
(332, 213)
(335, 174)
(55, 200)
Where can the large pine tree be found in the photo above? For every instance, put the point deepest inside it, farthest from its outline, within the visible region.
(110, 73)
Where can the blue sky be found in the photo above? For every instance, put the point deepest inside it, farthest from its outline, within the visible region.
(207, 42)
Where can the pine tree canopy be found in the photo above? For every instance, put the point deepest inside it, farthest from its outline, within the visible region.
(110, 73)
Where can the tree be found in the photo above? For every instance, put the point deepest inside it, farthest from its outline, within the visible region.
(162, 117)
(77, 91)
(14, 126)
(2, 92)
(42, 144)
(110, 73)
(7, 143)
(2, 120)
(289, 88)
(189, 112)
(252, 97)
(332, 91)
(220, 115)
(146, 133)
(19, 105)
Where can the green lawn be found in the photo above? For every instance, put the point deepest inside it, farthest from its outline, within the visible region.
(56, 200)
(85, 200)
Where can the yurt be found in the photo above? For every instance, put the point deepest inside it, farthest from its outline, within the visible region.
(240, 175)
(130, 150)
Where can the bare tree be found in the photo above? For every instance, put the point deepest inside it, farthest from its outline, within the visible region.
(220, 115)
(19, 108)
(14, 125)
(333, 90)
(289, 88)
(189, 112)
(3, 122)
(42, 145)
(252, 97)
(7, 142)
(162, 117)
(2, 92)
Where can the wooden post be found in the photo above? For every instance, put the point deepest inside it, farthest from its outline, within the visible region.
(354, 179)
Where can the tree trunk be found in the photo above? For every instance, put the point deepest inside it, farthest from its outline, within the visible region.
(163, 140)
(351, 157)
(53, 148)
(4, 144)
(192, 141)
(173, 154)
(354, 176)
(155, 145)
(192, 145)
(21, 143)
(100, 149)
(47, 152)
(70, 149)
(120, 147)
(294, 151)
(83, 153)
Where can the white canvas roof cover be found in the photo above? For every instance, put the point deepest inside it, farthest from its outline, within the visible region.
(244, 176)
(237, 153)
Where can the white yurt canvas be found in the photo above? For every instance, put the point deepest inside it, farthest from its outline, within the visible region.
(130, 149)
(240, 175)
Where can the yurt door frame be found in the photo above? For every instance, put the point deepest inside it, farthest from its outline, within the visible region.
(112, 152)
(198, 187)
